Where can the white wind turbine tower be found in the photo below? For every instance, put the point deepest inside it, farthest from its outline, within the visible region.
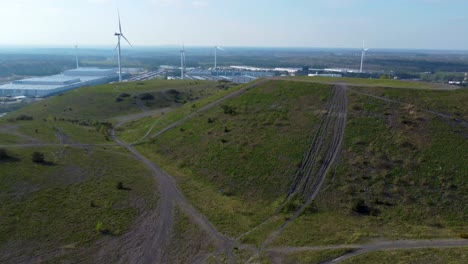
(182, 62)
(120, 35)
(76, 54)
(216, 48)
(363, 55)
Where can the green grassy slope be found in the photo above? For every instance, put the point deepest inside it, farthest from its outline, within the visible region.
(62, 202)
(235, 161)
(375, 82)
(406, 165)
(99, 102)
(80, 115)
(408, 168)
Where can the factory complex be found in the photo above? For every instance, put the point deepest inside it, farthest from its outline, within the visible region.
(50, 85)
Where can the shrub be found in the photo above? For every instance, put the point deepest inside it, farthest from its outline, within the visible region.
(361, 207)
(118, 99)
(3, 154)
(146, 96)
(38, 157)
(24, 118)
(100, 228)
(124, 95)
(120, 185)
(464, 235)
(229, 110)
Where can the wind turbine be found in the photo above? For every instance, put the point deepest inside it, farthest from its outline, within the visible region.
(120, 35)
(216, 48)
(182, 61)
(76, 50)
(363, 55)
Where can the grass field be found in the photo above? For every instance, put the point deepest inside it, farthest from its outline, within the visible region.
(235, 161)
(376, 82)
(401, 162)
(102, 103)
(401, 172)
(71, 199)
(134, 131)
(404, 165)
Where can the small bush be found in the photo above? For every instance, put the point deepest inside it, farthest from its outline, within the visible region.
(464, 235)
(38, 157)
(146, 96)
(118, 99)
(124, 95)
(24, 118)
(3, 154)
(101, 229)
(228, 110)
(120, 185)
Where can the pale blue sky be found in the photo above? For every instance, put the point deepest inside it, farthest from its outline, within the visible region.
(421, 24)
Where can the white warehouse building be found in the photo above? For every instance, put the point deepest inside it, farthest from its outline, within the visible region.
(50, 85)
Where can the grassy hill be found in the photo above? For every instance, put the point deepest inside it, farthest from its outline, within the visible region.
(82, 196)
(399, 174)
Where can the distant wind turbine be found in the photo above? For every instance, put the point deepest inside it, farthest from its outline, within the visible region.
(120, 35)
(76, 53)
(182, 61)
(216, 48)
(363, 55)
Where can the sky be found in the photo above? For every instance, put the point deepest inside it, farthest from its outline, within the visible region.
(396, 24)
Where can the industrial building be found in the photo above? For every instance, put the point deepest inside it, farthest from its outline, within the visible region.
(50, 85)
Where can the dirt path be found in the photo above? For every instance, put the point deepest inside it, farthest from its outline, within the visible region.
(13, 130)
(132, 117)
(160, 232)
(358, 249)
(402, 244)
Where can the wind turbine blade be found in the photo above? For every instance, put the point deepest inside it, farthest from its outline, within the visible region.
(127, 41)
(219, 48)
(120, 25)
(116, 47)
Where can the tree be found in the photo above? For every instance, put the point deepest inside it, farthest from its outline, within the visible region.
(38, 157)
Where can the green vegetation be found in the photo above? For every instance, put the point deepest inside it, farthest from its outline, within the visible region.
(398, 175)
(98, 102)
(67, 201)
(402, 164)
(235, 165)
(134, 131)
(414, 256)
(374, 82)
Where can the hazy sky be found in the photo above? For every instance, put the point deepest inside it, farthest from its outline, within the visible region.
(429, 24)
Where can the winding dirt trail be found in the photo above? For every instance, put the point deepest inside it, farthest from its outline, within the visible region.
(160, 232)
